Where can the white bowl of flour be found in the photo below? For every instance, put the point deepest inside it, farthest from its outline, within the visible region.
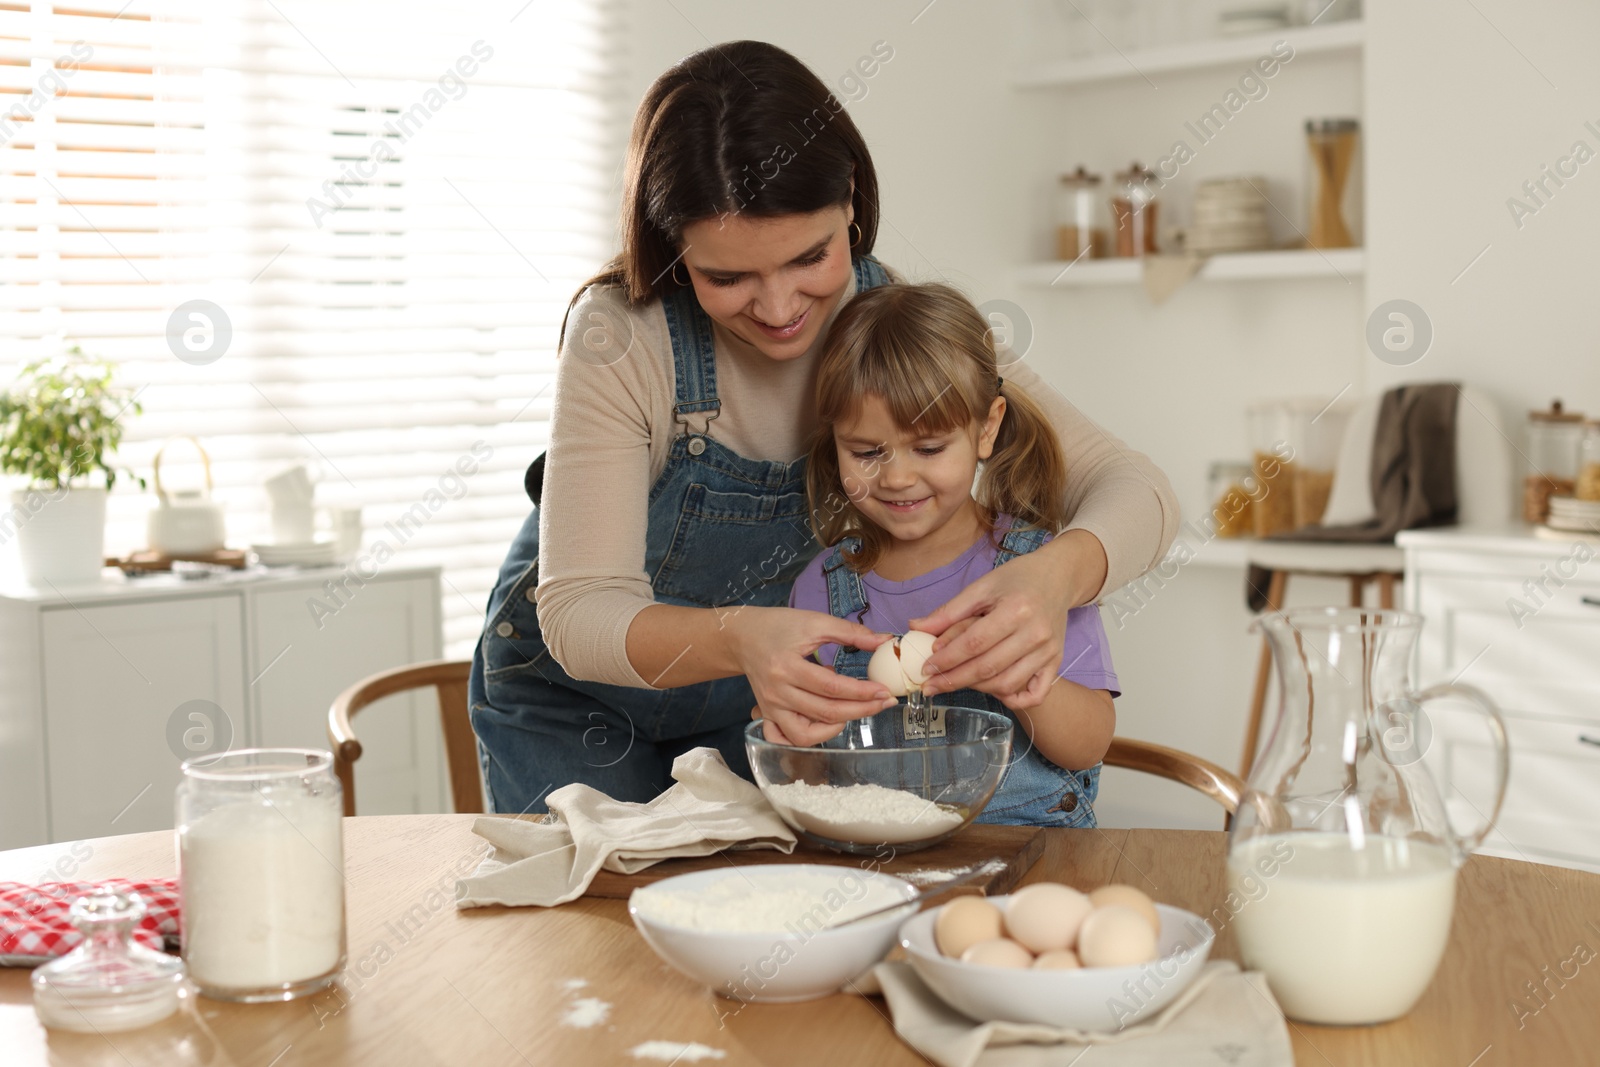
(757, 933)
(891, 779)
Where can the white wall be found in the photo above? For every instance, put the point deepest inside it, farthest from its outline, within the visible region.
(1455, 122)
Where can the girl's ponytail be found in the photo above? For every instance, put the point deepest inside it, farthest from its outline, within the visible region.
(1026, 474)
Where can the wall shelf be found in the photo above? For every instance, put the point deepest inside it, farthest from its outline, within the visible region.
(1334, 39)
(1339, 264)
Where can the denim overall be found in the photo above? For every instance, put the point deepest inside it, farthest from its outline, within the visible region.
(1034, 791)
(722, 531)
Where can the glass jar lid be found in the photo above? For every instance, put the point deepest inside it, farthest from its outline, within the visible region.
(1080, 178)
(109, 982)
(1136, 174)
(1556, 414)
(1326, 126)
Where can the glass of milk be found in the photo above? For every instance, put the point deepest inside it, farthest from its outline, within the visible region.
(261, 873)
(1342, 859)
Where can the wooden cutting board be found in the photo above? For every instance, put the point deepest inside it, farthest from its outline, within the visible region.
(1017, 847)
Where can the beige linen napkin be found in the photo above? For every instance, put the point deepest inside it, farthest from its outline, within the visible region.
(551, 862)
(1225, 1017)
(1165, 275)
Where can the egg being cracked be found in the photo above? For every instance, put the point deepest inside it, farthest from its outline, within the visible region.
(897, 665)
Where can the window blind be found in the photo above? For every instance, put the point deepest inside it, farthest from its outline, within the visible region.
(340, 234)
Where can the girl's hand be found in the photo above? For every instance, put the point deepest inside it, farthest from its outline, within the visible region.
(803, 702)
(1030, 697)
(1019, 622)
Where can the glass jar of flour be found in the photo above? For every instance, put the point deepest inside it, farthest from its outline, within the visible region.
(261, 873)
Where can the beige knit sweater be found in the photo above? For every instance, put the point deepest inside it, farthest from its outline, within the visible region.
(611, 427)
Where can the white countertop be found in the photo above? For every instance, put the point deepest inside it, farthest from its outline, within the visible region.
(1512, 538)
(114, 585)
(1305, 556)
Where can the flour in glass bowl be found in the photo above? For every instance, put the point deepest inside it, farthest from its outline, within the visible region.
(862, 813)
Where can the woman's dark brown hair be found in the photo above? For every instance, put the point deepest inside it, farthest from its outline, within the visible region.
(929, 354)
(737, 128)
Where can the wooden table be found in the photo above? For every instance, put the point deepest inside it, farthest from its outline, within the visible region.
(427, 984)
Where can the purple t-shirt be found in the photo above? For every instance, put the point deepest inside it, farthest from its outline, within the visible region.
(1085, 657)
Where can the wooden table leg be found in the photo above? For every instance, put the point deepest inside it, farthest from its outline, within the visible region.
(1386, 591)
(1277, 589)
(1358, 590)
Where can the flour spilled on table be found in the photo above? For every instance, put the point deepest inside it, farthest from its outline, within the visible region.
(676, 1052)
(862, 812)
(572, 985)
(586, 1012)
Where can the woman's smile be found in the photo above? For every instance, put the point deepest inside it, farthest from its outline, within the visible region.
(771, 282)
(788, 330)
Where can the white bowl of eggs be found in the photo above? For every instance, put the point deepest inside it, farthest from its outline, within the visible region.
(1051, 955)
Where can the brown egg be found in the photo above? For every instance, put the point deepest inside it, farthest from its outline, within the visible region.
(1045, 916)
(1061, 959)
(1001, 952)
(1115, 936)
(964, 922)
(1128, 897)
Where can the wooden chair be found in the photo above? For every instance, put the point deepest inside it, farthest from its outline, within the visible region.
(1223, 786)
(449, 679)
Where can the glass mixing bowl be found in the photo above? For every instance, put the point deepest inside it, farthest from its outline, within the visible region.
(900, 778)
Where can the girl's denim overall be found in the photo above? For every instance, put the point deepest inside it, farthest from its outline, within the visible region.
(1034, 791)
(722, 531)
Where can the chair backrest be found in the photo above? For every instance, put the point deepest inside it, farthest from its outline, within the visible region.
(1222, 786)
(449, 680)
(1484, 495)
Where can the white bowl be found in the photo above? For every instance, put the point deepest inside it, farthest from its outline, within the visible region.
(799, 962)
(1093, 998)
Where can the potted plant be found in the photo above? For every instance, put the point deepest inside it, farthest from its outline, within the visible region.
(59, 423)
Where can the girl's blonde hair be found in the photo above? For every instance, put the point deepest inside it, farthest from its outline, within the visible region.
(928, 353)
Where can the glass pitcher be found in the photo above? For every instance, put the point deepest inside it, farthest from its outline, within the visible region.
(1342, 855)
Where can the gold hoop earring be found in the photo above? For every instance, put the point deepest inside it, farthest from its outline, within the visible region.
(858, 236)
(685, 280)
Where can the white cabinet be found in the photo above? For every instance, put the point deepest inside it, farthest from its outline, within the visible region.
(105, 688)
(1519, 618)
(113, 676)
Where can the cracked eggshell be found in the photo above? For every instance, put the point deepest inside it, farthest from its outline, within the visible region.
(884, 668)
(897, 663)
(915, 648)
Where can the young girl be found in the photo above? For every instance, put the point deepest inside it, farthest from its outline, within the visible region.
(927, 472)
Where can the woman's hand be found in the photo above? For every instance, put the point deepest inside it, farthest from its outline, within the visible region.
(803, 702)
(1018, 612)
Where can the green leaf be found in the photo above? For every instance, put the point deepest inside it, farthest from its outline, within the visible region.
(62, 419)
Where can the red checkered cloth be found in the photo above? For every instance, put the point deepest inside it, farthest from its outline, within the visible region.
(34, 925)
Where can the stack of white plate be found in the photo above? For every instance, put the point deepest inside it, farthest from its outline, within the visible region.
(303, 554)
(1230, 215)
(1570, 513)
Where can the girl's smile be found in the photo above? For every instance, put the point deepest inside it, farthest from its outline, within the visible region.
(915, 486)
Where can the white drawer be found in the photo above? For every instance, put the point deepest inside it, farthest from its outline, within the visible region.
(1537, 656)
(1552, 805)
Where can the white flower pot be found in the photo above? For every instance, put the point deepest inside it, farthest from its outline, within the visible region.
(60, 533)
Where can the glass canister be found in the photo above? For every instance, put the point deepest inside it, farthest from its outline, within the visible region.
(1333, 183)
(1555, 438)
(1080, 217)
(1232, 489)
(261, 873)
(1274, 429)
(1134, 211)
(1588, 487)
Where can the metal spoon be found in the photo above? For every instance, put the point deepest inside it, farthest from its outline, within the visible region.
(988, 866)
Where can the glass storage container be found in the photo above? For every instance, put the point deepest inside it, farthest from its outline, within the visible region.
(1080, 217)
(261, 873)
(1555, 438)
(1135, 210)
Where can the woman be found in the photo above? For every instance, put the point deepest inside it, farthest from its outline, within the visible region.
(639, 612)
